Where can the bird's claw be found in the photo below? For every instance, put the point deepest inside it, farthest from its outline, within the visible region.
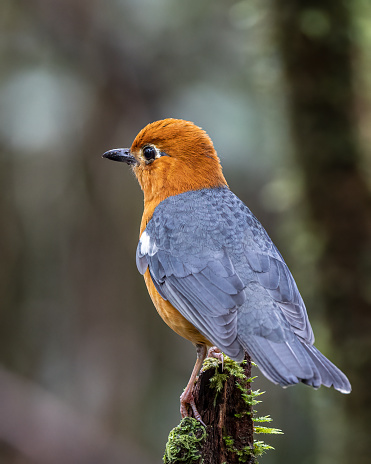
(214, 352)
(187, 398)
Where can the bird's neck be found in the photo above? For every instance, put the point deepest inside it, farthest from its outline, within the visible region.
(168, 184)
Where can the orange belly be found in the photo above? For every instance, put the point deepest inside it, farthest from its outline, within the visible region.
(172, 316)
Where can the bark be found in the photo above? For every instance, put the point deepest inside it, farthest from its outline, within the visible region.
(315, 40)
(229, 420)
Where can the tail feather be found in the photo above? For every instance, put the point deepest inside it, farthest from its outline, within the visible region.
(287, 363)
(330, 374)
(271, 365)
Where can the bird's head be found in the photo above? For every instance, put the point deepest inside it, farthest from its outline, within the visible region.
(171, 156)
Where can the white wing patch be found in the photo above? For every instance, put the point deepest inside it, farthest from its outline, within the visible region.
(147, 246)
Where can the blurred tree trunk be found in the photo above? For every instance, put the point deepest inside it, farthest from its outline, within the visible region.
(314, 37)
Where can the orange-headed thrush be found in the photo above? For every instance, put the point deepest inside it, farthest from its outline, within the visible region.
(213, 274)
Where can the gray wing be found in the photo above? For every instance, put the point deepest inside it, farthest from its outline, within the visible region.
(203, 287)
(272, 273)
(214, 262)
(202, 249)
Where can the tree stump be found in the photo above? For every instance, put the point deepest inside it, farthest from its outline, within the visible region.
(224, 399)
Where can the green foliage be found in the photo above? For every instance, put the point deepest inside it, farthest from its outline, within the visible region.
(260, 448)
(263, 419)
(270, 430)
(243, 453)
(249, 396)
(184, 442)
(230, 367)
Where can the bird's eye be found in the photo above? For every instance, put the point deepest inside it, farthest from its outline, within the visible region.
(149, 153)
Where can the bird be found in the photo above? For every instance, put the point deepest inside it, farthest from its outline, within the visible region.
(211, 270)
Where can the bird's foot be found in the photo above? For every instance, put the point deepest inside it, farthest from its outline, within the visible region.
(214, 352)
(187, 398)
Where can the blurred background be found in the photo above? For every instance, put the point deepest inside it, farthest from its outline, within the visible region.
(88, 371)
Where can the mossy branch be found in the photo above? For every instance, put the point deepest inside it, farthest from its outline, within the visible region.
(225, 401)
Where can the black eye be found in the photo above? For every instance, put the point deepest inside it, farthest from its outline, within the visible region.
(149, 153)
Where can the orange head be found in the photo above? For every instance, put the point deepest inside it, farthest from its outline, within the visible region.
(171, 156)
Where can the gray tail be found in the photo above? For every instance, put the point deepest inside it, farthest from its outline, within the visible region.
(286, 364)
(331, 376)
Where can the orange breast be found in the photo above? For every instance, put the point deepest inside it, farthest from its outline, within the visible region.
(172, 316)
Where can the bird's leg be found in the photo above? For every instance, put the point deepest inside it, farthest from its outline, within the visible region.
(187, 396)
(214, 352)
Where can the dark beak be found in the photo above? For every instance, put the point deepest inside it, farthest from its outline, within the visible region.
(121, 154)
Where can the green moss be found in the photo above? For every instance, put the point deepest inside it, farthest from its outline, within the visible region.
(263, 419)
(269, 430)
(243, 453)
(186, 439)
(230, 367)
(184, 442)
(249, 395)
(260, 448)
(251, 399)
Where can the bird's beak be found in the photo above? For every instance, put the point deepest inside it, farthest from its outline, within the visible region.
(121, 154)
